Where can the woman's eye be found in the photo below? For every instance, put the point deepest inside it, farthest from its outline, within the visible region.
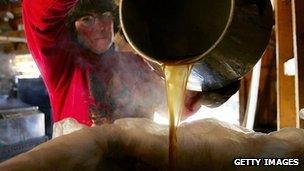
(87, 18)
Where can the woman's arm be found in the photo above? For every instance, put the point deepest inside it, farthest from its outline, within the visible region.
(47, 37)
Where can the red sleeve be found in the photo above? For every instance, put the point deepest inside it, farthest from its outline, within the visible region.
(48, 39)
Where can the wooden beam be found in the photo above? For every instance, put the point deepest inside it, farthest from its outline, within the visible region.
(243, 96)
(284, 50)
(298, 46)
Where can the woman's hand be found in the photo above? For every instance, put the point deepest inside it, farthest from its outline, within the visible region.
(195, 99)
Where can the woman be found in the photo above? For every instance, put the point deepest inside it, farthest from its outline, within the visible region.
(72, 44)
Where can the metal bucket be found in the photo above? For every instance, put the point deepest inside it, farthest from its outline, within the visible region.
(223, 38)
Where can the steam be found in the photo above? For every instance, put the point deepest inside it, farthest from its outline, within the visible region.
(123, 85)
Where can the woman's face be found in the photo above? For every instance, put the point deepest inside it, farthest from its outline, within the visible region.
(95, 31)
